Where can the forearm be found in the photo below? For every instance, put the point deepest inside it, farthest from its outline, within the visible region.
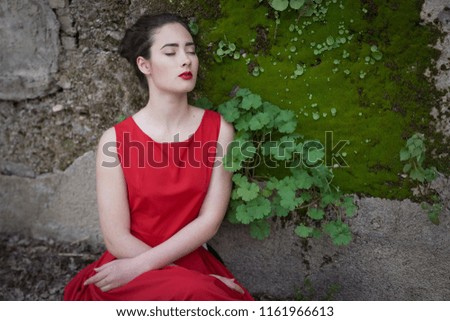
(191, 237)
(126, 246)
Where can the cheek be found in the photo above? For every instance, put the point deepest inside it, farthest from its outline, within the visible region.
(195, 63)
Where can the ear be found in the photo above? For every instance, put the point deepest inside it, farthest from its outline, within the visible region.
(143, 65)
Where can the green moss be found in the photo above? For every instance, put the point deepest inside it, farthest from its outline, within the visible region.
(377, 104)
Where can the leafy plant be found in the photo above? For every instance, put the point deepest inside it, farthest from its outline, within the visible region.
(265, 137)
(414, 156)
(226, 48)
(281, 5)
(309, 293)
(193, 27)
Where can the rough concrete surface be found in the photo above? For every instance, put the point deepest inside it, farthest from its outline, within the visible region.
(29, 38)
(438, 11)
(397, 254)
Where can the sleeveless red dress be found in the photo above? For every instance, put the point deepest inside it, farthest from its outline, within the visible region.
(166, 183)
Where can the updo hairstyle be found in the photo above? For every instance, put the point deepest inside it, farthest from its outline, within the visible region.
(139, 38)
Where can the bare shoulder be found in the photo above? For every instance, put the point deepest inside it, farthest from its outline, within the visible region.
(107, 145)
(108, 135)
(226, 134)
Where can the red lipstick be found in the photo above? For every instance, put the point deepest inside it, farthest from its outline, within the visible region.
(186, 75)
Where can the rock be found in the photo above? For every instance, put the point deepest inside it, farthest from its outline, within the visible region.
(397, 254)
(57, 108)
(56, 4)
(69, 43)
(71, 212)
(61, 205)
(67, 24)
(18, 169)
(438, 11)
(30, 49)
(22, 200)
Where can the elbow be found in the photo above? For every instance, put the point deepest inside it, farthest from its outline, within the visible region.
(113, 249)
(213, 230)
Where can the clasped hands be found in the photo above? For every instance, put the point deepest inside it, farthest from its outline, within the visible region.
(121, 271)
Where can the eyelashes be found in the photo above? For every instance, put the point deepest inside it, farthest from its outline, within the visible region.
(173, 53)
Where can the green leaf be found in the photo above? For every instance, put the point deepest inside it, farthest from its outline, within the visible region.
(259, 121)
(316, 213)
(430, 174)
(302, 178)
(204, 103)
(304, 231)
(242, 214)
(272, 111)
(406, 168)
(260, 229)
(434, 211)
(330, 41)
(258, 208)
(339, 232)
(232, 164)
(377, 55)
(349, 206)
(220, 52)
(286, 121)
(251, 101)
(288, 198)
(316, 233)
(193, 26)
(329, 198)
(284, 149)
(242, 92)
(248, 191)
(297, 4)
(417, 174)
(242, 124)
(404, 154)
(279, 5)
(277, 209)
(229, 110)
(314, 155)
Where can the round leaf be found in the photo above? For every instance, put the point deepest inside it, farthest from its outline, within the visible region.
(279, 5)
(297, 4)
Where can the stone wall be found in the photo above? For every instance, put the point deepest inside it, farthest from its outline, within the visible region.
(62, 84)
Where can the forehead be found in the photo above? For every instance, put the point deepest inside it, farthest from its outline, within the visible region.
(171, 33)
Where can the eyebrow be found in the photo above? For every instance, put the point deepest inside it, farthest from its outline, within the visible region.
(176, 45)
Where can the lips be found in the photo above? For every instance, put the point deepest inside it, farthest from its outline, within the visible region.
(186, 75)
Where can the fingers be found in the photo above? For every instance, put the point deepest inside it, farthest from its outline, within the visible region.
(97, 278)
(100, 281)
(102, 278)
(230, 283)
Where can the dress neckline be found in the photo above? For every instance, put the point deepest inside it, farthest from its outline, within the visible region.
(174, 142)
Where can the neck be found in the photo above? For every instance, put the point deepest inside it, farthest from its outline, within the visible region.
(168, 109)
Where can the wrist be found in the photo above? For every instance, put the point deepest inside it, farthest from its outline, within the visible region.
(145, 262)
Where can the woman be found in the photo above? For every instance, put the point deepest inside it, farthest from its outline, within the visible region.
(169, 194)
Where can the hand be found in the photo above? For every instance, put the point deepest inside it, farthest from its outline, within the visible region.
(229, 282)
(114, 274)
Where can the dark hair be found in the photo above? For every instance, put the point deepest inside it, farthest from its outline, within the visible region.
(139, 38)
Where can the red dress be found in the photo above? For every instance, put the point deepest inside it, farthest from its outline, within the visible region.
(166, 183)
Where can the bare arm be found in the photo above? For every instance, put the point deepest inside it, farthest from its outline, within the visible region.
(112, 201)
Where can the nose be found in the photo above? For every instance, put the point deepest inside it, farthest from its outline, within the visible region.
(185, 60)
